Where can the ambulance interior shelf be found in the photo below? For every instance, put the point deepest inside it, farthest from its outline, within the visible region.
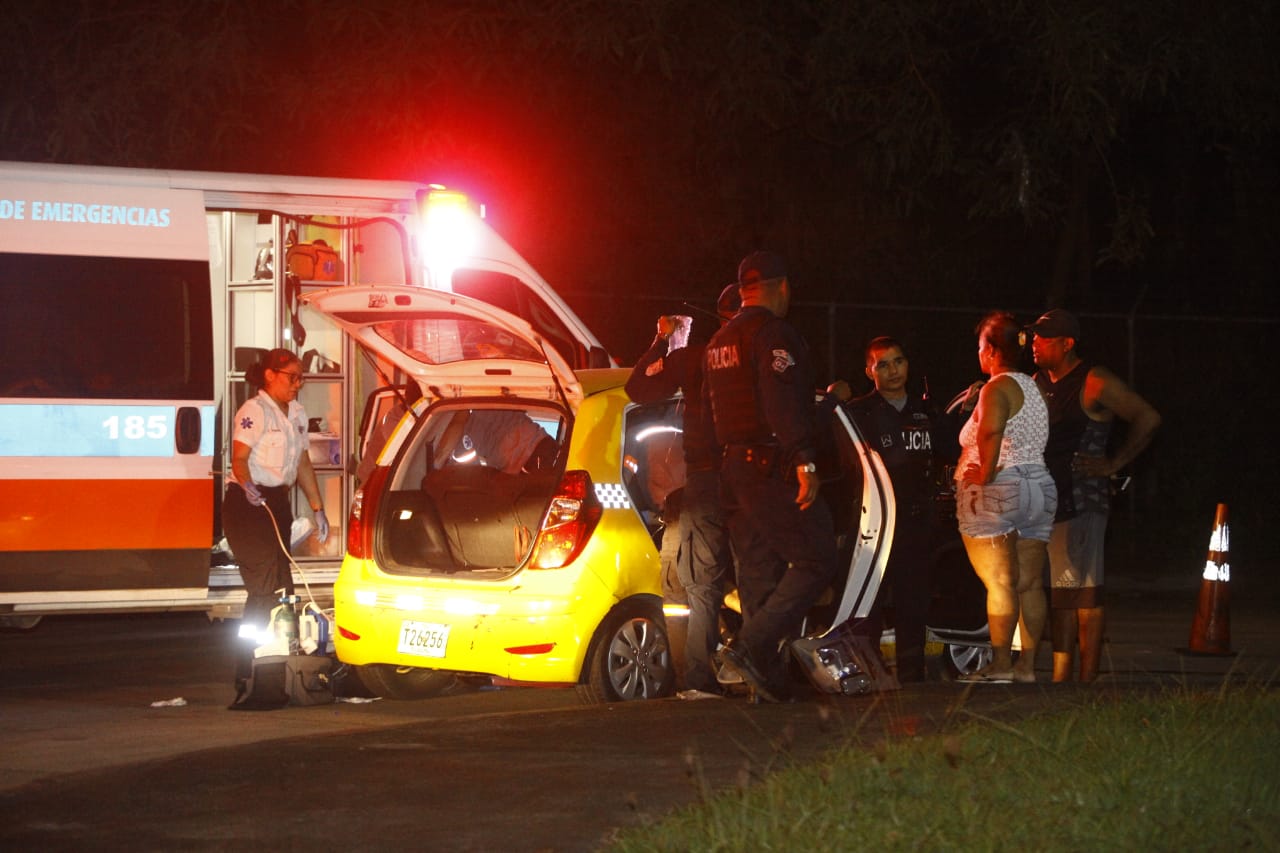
(291, 240)
(312, 360)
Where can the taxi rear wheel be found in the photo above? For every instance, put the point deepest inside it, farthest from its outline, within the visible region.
(964, 660)
(630, 657)
(405, 682)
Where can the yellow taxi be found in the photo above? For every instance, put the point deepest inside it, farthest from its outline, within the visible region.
(507, 528)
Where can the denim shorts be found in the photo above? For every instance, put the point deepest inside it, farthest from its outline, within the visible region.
(1021, 498)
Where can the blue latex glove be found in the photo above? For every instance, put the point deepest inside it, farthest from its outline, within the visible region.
(252, 495)
(322, 526)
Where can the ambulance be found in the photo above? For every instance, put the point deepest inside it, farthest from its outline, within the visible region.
(132, 301)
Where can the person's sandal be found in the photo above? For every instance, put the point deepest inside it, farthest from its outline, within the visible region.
(988, 676)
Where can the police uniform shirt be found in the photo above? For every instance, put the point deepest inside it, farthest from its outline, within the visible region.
(658, 375)
(905, 441)
(761, 385)
(276, 441)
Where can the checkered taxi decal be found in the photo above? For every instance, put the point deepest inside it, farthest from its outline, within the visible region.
(613, 496)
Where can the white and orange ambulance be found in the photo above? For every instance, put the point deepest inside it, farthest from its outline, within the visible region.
(131, 303)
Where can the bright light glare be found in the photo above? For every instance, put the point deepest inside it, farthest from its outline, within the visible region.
(468, 607)
(449, 235)
(539, 606)
(655, 430)
(405, 601)
(257, 634)
(366, 597)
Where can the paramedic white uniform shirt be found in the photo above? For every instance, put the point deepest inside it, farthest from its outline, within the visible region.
(276, 442)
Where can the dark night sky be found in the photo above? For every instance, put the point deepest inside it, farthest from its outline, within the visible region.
(628, 148)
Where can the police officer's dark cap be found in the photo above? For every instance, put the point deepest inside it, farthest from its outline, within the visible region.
(760, 266)
(1056, 324)
(729, 302)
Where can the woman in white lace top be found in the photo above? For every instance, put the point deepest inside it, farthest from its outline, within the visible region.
(1005, 499)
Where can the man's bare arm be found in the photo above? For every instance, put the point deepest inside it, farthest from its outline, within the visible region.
(1104, 392)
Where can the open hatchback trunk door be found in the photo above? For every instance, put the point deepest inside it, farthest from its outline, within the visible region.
(465, 488)
(452, 345)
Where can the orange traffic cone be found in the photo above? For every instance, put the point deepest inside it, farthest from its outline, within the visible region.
(1211, 629)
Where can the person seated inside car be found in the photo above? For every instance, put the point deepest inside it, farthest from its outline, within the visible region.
(505, 439)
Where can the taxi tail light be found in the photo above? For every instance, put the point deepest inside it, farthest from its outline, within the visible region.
(529, 651)
(569, 522)
(364, 508)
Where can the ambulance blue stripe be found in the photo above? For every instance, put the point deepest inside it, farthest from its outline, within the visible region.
(60, 429)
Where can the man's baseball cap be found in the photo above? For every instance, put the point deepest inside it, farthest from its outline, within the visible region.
(760, 266)
(1056, 324)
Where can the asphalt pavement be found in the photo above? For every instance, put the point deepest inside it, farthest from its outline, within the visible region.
(86, 761)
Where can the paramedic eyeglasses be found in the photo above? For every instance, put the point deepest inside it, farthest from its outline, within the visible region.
(295, 376)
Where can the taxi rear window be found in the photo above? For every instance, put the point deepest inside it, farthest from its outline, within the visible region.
(444, 339)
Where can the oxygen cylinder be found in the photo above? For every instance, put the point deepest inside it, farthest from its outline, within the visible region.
(284, 625)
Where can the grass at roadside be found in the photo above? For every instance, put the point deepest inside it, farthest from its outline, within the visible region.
(1180, 770)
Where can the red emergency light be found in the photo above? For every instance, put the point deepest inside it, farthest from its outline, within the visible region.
(449, 232)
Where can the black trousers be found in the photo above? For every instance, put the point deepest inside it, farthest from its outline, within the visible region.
(264, 566)
(702, 565)
(907, 579)
(786, 559)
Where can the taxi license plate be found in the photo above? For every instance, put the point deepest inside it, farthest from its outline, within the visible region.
(424, 639)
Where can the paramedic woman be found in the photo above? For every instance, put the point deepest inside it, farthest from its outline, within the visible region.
(268, 455)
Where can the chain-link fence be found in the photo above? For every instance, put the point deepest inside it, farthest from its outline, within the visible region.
(1209, 377)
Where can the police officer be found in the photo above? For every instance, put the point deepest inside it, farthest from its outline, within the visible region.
(901, 427)
(759, 393)
(674, 363)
